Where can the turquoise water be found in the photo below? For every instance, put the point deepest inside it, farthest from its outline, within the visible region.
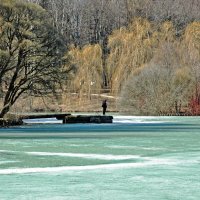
(135, 158)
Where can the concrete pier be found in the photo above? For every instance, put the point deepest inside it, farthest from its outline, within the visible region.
(71, 119)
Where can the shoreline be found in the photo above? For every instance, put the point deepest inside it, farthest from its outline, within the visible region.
(17, 118)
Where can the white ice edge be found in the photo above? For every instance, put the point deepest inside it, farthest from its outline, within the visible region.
(86, 156)
(83, 168)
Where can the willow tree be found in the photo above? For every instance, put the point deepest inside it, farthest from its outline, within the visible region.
(88, 64)
(129, 49)
(163, 85)
(30, 52)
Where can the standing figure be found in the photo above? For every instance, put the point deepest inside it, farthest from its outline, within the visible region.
(104, 106)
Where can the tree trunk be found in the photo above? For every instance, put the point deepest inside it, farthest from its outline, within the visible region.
(5, 110)
(104, 57)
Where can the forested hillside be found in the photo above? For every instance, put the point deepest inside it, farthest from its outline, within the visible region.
(144, 53)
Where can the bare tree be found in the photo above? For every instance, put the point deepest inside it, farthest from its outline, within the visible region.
(90, 21)
(30, 52)
(160, 88)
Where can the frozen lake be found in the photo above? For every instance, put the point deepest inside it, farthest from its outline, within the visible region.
(135, 158)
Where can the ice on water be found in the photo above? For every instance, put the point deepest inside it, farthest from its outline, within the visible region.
(148, 158)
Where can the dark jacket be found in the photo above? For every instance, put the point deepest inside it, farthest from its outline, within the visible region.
(104, 104)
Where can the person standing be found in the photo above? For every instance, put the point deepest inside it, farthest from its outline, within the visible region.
(104, 106)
